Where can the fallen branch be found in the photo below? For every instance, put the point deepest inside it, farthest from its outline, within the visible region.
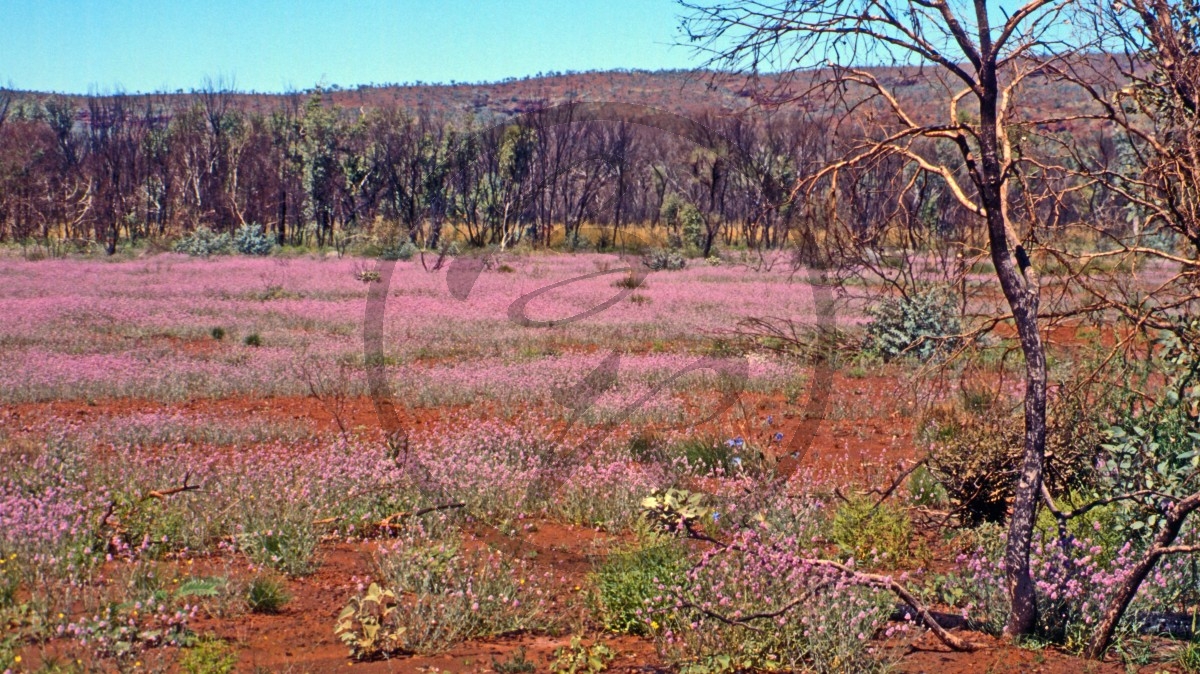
(744, 620)
(164, 493)
(387, 522)
(900, 591)
(926, 617)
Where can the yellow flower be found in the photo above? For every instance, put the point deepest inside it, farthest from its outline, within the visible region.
(653, 624)
(17, 659)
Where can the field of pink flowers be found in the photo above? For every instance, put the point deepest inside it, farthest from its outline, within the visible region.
(145, 329)
(160, 512)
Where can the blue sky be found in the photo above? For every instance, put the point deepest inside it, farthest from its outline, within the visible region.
(271, 45)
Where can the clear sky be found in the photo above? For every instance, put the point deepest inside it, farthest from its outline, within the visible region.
(271, 45)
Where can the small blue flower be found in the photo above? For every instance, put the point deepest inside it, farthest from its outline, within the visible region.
(770, 419)
(716, 516)
(738, 442)
(779, 437)
(736, 462)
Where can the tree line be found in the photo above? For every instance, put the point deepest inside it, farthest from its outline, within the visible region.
(124, 168)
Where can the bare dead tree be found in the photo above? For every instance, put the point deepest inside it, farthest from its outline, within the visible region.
(330, 385)
(981, 56)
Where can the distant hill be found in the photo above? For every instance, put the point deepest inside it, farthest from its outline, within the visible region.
(681, 92)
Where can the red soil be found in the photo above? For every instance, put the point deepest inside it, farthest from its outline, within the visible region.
(300, 638)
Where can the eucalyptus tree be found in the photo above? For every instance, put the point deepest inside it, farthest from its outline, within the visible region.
(979, 56)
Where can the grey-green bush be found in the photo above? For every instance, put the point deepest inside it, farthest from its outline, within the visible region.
(920, 325)
(664, 260)
(405, 250)
(203, 242)
(251, 240)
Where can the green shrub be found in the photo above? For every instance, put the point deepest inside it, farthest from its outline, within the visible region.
(251, 240)
(627, 585)
(920, 325)
(875, 536)
(286, 544)
(706, 455)
(691, 224)
(266, 594)
(515, 664)
(217, 333)
(577, 658)
(201, 587)
(208, 656)
(451, 595)
(370, 625)
(1154, 448)
(252, 339)
(925, 490)
(203, 242)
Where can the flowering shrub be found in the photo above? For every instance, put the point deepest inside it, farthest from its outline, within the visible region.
(758, 604)
(621, 482)
(446, 594)
(283, 538)
(1075, 580)
(124, 630)
(498, 470)
(47, 516)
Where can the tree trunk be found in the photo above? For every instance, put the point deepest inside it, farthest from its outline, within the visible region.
(1129, 587)
(1020, 287)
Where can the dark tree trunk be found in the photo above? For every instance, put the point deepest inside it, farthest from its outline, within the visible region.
(1020, 287)
(1129, 587)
